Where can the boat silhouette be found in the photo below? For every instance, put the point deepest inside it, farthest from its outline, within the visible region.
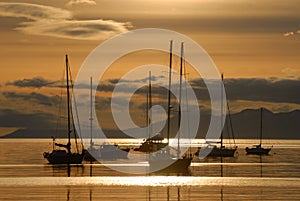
(217, 148)
(65, 155)
(258, 149)
(163, 160)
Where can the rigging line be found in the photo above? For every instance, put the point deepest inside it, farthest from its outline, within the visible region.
(72, 97)
(77, 118)
(169, 92)
(222, 112)
(76, 112)
(147, 113)
(59, 111)
(68, 106)
(231, 126)
(179, 102)
(228, 131)
(229, 119)
(91, 113)
(187, 102)
(150, 106)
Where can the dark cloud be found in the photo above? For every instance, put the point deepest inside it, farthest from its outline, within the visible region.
(256, 89)
(102, 103)
(143, 80)
(250, 89)
(286, 91)
(34, 97)
(109, 85)
(105, 87)
(36, 82)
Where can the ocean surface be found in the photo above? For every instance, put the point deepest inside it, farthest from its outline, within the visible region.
(25, 175)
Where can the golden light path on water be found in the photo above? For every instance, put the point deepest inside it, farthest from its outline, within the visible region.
(145, 164)
(150, 181)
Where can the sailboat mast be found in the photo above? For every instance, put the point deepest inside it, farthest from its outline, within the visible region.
(222, 112)
(261, 125)
(91, 113)
(149, 105)
(68, 105)
(147, 114)
(179, 103)
(169, 93)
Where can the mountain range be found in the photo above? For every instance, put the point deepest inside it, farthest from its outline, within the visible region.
(245, 124)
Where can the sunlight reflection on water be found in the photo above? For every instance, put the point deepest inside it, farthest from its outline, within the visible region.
(29, 177)
(150, 181)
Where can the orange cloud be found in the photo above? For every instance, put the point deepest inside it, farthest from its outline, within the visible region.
(56, 22)
(81, 2)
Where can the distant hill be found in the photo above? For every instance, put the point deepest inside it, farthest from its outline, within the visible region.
(48, 133)
(275, 125)
(246, 125)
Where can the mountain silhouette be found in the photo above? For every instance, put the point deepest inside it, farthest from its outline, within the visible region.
(246, 125)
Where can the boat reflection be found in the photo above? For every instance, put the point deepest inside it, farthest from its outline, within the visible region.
(166, 173)
(65, 170)
(68, 194)
(168, 193)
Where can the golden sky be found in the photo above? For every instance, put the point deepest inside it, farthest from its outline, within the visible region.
(247, 39)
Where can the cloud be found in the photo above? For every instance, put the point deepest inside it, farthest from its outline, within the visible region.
(267, 90)
(81, 2)
(56, 22)
(272, 90)
(291, 33)
(33, 97)
(36, 82)
(287, 34)
(33, 11)
(290, 72)
(75, 29)
(127, 85)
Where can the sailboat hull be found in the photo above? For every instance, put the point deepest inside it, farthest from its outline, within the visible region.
(107, 152)
(62, 157)
(151, 147)
(218, 152)
(225, 152)
(258, 151)
(176, 165)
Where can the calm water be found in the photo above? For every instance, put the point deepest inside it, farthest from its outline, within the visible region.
(25, 175)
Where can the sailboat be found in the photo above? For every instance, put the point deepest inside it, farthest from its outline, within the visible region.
(152, 144)
(163, 160)
(102, 151)
(157, 142)
(65, 156)
(222, 150)
(258, 149)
